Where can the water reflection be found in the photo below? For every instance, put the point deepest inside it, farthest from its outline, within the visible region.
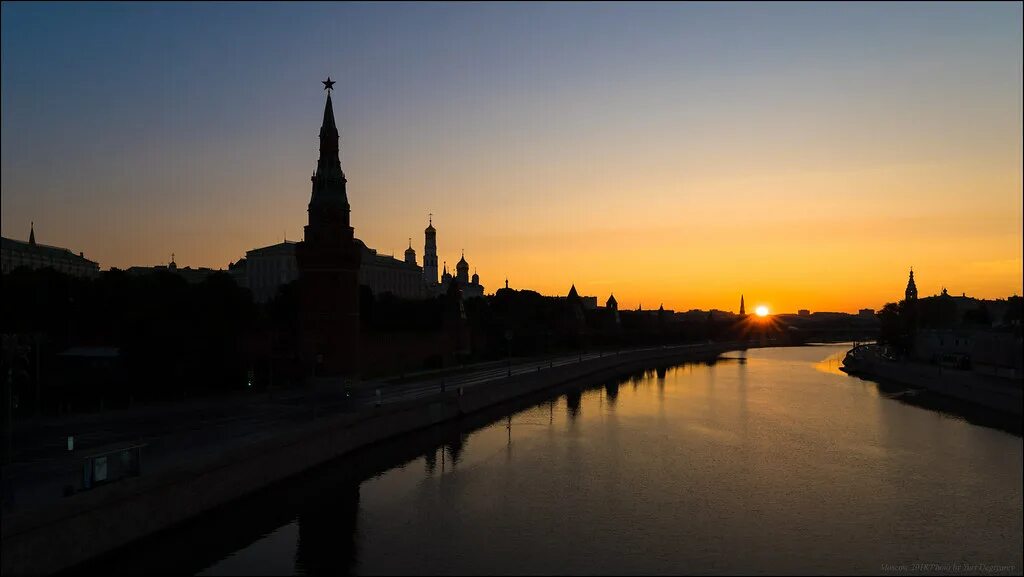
(572, 403)
(327, 532)
(611, 392)
(759, 462)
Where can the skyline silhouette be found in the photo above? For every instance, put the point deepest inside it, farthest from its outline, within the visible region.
(666, 154)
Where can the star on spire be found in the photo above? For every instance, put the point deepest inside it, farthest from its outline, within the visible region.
(328, 84)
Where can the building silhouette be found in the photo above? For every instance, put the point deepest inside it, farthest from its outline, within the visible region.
(328, 260)
(15, 254)
(743, 309)
(468, 287)
(191, 275)
(430, 253)
(911, 293)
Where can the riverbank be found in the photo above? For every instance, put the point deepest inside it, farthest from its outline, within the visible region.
(85, 525)
(992, 393)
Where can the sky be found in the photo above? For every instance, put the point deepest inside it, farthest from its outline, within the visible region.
(803, 155)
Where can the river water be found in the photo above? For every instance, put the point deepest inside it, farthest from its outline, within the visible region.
(766, 461)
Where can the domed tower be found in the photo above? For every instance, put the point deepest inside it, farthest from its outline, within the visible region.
(410, 254)
(430, 253)
(476, 278)
(911, 292)
(462, 270)
(446, 277)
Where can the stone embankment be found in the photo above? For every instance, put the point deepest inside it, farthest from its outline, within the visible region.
(994, 393)
(88, 524)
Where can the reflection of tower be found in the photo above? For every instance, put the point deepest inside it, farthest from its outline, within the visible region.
(743, 310)
(611, 392)
(328, 262)
(911, 293)
(455, 448)
(327, 533)
(430, 253)
(572, 403)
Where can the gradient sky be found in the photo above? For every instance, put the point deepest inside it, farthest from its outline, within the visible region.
(804, 155)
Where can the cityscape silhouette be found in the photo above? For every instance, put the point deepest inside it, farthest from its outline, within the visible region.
(738, 288)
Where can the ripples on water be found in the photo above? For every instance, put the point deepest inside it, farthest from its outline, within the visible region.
(771, 460)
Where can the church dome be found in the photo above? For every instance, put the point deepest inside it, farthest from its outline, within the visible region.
(462, 264)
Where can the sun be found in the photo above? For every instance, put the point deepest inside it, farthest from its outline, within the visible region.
(762, 311)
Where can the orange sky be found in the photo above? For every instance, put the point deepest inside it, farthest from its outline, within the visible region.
(672, 154)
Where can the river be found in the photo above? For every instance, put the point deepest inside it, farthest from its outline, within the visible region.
(766, 461)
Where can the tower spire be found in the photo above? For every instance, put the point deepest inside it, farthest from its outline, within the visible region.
(743, 310)
(911, 293)
(328, 204)
(32, 233)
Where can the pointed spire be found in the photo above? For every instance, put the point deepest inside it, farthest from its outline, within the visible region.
(743, 310)
(328, 123)
(572, 292)
(32, 233)
(329, 165)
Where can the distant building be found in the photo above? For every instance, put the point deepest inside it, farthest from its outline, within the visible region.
(470, 287)
(743, 308)
(238, 271)
(15, 254)
(387, 274)
(191, 275)
(430, 254)
(270, 267)
(588, 303)
(867, 313)
(803, 313)
(911, 293)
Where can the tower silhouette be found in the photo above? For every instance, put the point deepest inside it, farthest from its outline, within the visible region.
(410, 254)
(743, 310)
(430, 253)
(328, 260)
(911, 292)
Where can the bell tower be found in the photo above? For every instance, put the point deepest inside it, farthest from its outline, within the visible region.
(911, 292)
